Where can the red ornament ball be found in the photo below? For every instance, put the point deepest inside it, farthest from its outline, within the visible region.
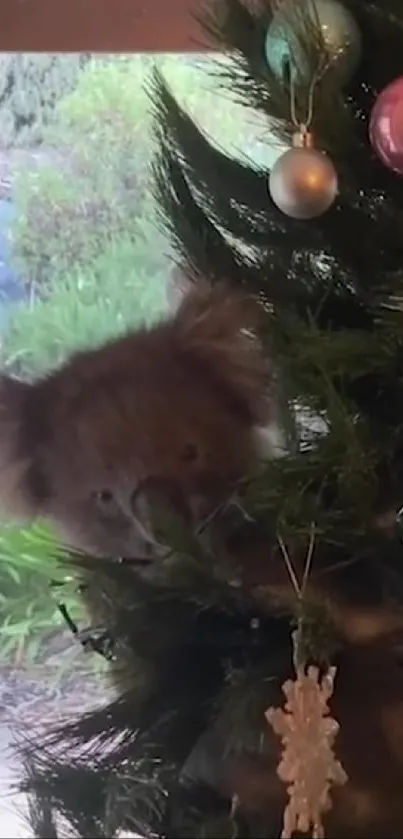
(386, 126)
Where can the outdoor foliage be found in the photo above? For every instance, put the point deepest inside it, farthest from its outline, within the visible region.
(97, 185)
(30, 85)
(85, 305)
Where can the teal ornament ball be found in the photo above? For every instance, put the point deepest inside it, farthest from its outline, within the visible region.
(293, 24)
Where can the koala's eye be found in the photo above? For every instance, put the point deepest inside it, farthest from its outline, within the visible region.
(190, 453)
(104, 497)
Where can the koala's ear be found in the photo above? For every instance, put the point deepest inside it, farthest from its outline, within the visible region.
(216, 329)
(22, 485)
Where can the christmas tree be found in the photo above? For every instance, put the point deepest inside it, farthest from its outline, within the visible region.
(196, 743)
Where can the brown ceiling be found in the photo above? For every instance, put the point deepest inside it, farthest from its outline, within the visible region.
(98, 25)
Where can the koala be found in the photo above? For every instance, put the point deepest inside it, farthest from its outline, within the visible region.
(180, 403)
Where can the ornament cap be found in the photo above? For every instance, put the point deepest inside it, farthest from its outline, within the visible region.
(302, 139)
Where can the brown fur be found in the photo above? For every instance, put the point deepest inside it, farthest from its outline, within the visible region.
(177, 402)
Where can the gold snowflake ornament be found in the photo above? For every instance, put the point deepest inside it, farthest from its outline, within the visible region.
(308, 765)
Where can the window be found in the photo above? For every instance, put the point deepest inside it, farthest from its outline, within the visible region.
(81, 259)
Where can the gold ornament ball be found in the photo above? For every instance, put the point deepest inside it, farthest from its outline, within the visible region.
(303, 183)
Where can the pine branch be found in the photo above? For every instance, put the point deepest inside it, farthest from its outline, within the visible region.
(231, 228)
(249, 221)
(199, 247)
(59, 790)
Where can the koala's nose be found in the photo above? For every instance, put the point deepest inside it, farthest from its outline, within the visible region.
(138, 502)
(131, 504)
(156, 503)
